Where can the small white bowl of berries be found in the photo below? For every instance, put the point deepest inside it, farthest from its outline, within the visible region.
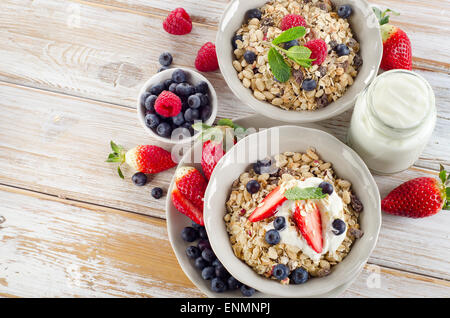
(171, 101)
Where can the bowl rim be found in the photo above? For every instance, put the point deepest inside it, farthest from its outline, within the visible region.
(268, 110)
(356, 267)
(159, 77)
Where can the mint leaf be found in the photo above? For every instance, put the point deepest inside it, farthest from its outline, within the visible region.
(278, 66)
(289, 35)
(300, 55)
(225, 122)
(297, 193)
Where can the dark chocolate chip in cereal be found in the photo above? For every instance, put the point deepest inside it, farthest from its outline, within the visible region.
(323, 70)
(356, 203)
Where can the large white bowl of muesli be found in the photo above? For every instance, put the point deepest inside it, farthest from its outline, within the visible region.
(311, 93)
(282, 158)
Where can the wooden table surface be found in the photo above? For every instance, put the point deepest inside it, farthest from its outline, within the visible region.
(70, 72)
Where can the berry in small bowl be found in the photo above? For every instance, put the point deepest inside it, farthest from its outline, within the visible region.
(172, 100)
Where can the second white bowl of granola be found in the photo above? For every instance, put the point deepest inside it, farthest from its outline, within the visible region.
(325, 237)
(311, 93)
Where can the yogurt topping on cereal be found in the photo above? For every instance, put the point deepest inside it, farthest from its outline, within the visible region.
(331, 208)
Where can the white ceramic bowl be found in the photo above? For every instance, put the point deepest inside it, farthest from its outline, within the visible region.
(366, 28)
(346, 163)
(193, 78)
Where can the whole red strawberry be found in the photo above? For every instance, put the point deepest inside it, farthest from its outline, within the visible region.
(168, 104)
(145, 159)
(319, 50)
(397, 52)
(192, 184)
(292, 20)
(178, 22)
(419, 197)
(206, 60)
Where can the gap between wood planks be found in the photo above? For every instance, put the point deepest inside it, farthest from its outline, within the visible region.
(161, 222)
(418, 63)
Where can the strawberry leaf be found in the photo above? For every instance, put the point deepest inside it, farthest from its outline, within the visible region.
(115, 147)
(443, 174)
(119, 171)
(297, 193)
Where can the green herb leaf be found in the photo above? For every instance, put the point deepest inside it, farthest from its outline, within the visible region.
(300, 55)
(225, 122)
(297, 193)
(289, 35)
(278, 66)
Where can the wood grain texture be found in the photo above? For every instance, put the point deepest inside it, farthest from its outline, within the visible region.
(67, 142)
(53, 247)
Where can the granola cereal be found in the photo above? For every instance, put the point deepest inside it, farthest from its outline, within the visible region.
(248, 238)
(333, 77)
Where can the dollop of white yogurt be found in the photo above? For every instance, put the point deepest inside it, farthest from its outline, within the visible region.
(331, 208)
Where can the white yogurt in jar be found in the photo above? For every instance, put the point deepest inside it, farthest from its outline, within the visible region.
(393, 121)
(330, 208)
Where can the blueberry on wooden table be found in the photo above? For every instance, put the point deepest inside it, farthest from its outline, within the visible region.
(139, 179)
(165, 59)
(157, 193)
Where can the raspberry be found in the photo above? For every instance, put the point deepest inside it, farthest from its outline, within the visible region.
(292, 20)
(319, 50)
(178, 22)
(206, 60)
(168, 104)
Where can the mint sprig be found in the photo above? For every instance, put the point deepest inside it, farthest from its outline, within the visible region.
(299, 54)
(297, 193)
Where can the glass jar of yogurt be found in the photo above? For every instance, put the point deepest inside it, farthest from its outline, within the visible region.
(392, 121)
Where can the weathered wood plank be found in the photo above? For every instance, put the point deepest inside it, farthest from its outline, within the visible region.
(53, 247)
(66, 142)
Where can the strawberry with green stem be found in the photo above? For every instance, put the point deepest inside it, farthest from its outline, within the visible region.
(146, 159)
(397, 53)
(419, 197)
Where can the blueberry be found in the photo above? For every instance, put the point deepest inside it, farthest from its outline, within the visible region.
(272, 237)
(194, 101)
(200, 263)
(152, 120)
(205, 113)
(139, 179)
(218, 285)
(208, 255)
(191, 114)
(233, 283)
(188, 126)
(338, 226)
(208, 273)
(179, 76)
(236, 38)
(144, 97)
(254, 14)
(280, 271)
(165, 59)
(167, 83)
(173, 88)
(185, 89)
(193, 252)
(216, 262)
(221, 272)
(204, 99)
(265, 166)
(247, 291)
(202, 87)
(164, 129)
(288, 45)
(299, 276)
(326, 187)
(196, 226)
(189, 234)
(309, 85)
(157, 89)
(344, 11)
(250, 57)
(253, 186)
(202, 233)
(163, 68)
(203, 244)
(150, 102)
(157, 193)
(178, 120)
(279, 223)
(342, 49)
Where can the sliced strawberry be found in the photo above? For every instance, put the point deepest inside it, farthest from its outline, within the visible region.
(192, 184)
(308, 220)
(211, 154)
(186, 207)
(268, 206)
